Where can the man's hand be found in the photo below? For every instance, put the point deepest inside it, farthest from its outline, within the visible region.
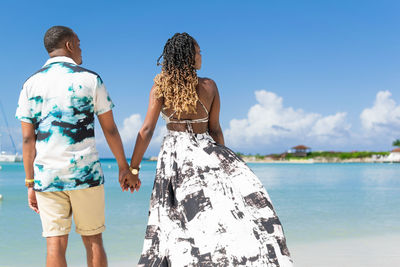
(32, 200)
(122, 180)
(128, 181)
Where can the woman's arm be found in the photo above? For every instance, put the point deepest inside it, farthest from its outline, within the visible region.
(214, 127)
(146, 132)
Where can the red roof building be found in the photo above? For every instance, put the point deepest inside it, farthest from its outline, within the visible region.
(301, 147)
(301, 150)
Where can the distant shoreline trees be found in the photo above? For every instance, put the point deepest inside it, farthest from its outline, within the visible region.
(396, 143)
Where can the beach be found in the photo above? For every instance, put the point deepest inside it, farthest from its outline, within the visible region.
(333, 214)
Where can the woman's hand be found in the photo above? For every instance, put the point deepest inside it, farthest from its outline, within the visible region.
(128, 181)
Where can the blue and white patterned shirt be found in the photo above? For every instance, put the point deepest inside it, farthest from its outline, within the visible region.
(60, 100)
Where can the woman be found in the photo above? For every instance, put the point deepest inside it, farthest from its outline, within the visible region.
(207, 207)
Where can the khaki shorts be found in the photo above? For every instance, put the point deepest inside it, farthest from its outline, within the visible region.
(56, 209)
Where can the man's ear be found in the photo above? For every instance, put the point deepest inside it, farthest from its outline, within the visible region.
(69, 45)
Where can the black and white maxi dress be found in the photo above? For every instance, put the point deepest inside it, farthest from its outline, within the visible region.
(208, 208)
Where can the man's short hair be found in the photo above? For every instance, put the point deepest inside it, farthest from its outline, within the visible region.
(55, 36)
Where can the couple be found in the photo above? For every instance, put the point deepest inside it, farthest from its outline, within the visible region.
(207, 207)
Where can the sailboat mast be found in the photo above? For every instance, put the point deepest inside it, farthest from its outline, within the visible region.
(8, 128)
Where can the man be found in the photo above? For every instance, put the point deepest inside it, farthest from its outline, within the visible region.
(63, 173)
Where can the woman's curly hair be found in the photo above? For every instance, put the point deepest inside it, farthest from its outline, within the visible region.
(178, 78)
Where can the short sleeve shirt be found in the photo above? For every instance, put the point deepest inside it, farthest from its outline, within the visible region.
(60, 100)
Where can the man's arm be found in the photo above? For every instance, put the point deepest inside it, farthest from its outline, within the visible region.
(28, 154)
(113, 138)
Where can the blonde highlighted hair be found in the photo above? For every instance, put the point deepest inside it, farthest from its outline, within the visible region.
(178, 78)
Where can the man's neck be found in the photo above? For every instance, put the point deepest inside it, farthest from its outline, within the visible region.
(59, 53)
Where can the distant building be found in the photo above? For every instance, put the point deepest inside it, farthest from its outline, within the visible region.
(300, 151)
(394, 156)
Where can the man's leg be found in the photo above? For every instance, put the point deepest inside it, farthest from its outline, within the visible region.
(55, 214)
(88, 210)
(96, 256)
(56, 248)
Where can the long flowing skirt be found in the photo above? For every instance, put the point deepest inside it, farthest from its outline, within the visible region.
(208, 208)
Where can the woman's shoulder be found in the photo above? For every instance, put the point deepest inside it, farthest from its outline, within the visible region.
(207, 83)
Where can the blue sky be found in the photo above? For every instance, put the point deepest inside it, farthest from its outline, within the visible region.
(326, 72)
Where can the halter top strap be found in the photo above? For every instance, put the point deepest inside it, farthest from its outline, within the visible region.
(204, 107)
(170, 119)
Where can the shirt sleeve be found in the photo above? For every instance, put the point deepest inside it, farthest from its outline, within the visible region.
(102, 101)
(24, 109)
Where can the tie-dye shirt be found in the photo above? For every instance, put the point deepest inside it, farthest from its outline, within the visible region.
(60, 100)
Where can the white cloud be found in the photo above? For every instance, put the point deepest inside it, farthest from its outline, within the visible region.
(132, 125)
(333, 126)
(159, 134)
(383, 116)
(269, 121)
(128, 131)
(130, 128)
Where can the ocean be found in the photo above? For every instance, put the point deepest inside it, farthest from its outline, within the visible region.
(315, 203)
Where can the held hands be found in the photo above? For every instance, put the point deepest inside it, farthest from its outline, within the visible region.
(32, 200)
(128, 181)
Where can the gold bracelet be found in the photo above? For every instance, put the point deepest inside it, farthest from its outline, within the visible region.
(29, 182)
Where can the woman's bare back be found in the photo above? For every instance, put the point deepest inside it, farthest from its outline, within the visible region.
(206, 91)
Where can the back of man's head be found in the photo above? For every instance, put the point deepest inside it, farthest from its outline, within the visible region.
(56, 36)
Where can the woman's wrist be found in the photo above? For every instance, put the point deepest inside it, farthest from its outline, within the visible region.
(135, 166)
(134, 170)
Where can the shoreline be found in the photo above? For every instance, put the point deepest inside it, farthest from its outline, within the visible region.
(306, 161)
(312, 161)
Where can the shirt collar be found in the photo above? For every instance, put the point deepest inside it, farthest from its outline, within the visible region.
(60, 59)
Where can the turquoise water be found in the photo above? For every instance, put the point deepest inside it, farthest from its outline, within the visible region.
(315, 202)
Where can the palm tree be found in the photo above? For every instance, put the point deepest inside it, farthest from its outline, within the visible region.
(396, 142)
